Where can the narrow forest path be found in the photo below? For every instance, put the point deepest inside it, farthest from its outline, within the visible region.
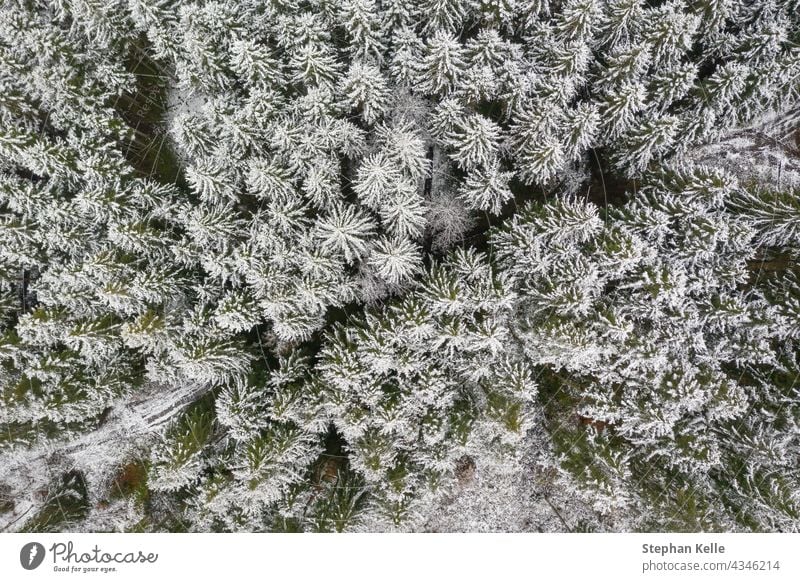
(130, 424)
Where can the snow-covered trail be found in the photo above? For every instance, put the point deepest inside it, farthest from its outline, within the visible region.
(768, 150)
(131, 423)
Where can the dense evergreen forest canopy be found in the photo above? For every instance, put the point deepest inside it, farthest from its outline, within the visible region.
(372, 265)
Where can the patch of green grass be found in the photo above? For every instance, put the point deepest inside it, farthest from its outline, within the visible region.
(66, 502)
